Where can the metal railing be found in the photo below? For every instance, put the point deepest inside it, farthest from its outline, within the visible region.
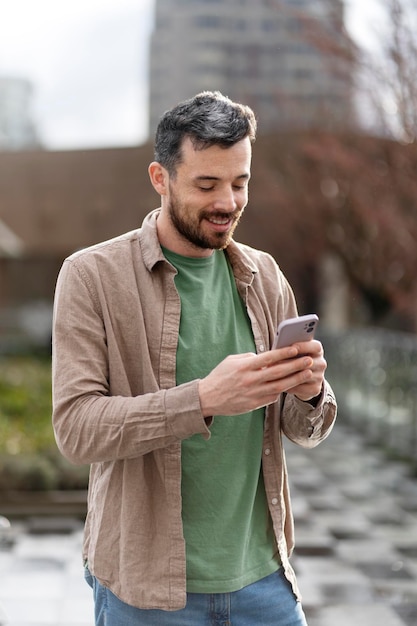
(374, 375)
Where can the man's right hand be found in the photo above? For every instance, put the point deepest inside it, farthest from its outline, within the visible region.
(244, 382)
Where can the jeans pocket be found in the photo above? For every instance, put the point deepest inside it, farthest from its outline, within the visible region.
(89, 578)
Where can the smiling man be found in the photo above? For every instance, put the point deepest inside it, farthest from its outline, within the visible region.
(204, 198)
(164, 382)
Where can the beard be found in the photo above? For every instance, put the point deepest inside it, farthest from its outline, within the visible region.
(191, 227)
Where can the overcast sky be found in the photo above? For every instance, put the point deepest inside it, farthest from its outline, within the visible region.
(88, 62)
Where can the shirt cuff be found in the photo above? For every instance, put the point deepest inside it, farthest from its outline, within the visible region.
(183, 411)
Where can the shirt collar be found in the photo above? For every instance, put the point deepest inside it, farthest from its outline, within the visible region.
(243, 266)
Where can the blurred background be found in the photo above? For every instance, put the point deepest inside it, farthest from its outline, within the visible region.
(333, 195)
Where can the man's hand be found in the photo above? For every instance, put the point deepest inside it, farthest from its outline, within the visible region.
(244, 382)
(313, 387)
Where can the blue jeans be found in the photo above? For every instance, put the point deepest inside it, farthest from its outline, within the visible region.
(268, 602)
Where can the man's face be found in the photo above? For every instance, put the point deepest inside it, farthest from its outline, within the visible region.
(208, 194)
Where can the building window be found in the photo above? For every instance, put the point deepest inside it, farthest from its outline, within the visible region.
(268, 26)
(302, 74)
(241, 24)
(207, 21)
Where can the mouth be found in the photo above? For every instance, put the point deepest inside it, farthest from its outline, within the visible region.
(219, 220)
(220, 223)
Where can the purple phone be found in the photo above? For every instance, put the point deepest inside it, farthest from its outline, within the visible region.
(295, 329)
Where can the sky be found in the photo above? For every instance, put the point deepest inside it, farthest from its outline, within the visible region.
(88, 63)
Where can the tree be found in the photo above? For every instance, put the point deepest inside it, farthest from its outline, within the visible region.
(388, 76)
(349, 194)
(353, 192)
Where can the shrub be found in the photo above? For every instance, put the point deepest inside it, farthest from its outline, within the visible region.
(29, 457)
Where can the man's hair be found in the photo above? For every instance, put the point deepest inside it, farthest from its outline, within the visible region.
(208, 119)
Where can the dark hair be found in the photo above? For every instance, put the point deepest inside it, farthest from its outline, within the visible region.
(208, 119)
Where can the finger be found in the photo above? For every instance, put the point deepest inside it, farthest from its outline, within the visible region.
(296, 380)
(287, 368)
(272, 357)
(312, 347)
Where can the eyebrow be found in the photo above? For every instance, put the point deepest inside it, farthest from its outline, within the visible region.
(240, 177)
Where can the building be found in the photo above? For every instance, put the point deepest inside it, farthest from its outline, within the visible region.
(288, 59)
(51, 204)
(17, 129)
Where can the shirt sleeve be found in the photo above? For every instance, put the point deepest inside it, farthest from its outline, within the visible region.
(92, 421)
(305, 424)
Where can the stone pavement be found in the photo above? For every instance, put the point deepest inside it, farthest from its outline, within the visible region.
(41, 576)
(356, 533)
(356, 556)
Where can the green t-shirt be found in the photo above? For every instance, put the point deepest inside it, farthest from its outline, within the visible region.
(227, 527)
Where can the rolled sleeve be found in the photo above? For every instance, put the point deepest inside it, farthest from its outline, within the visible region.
(308, 425)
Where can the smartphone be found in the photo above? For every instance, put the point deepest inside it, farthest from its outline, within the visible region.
(295, 329)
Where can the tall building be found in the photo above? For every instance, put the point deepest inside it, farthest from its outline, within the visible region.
(17, 129)
(288, 59)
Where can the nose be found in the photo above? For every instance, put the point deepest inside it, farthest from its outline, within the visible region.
(226, 200)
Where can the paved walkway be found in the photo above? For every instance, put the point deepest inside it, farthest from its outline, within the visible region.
(356, 534)
(41, 580)
(356, 556)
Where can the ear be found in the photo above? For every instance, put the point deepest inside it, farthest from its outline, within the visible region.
(159, 178)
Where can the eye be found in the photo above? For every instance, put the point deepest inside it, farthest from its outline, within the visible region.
(206, 188)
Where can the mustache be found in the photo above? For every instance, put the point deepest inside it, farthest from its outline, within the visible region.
(222, 214)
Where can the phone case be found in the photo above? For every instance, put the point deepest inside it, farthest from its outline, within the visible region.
(290, 331)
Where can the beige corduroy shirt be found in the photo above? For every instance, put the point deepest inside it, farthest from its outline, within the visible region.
(116, 407)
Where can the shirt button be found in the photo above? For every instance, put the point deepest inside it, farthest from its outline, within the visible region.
(267, 451)
(261, 348)
(274, 501)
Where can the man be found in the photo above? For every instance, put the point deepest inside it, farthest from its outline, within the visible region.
(164, 382)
